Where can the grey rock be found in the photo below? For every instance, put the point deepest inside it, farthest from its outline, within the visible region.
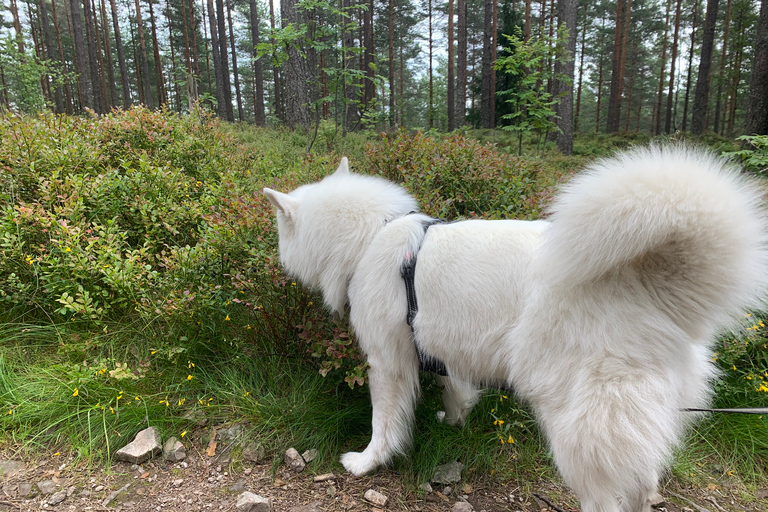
(447, 473)
(309, 455)
(309, 507)
(250, 502)
(9, 468)
(174, 451)
(47, 486)
(114, 494)
(232, 433)
(447, 490)
(71, 490)
(375, 498)
(462, 506)
(255, 453)
(177, 482)
(25, 489)
(57, 498)
(294, 460)
(145, 445)
(426, 487)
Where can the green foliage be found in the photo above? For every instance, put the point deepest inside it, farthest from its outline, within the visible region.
(754, 155)
(456, 176)
(23, 73)
(533, 107)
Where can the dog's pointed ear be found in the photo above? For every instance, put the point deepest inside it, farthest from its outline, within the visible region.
(284, 203)
(343, 169)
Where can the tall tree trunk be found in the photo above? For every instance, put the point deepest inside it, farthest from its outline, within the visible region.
(690, 64)
(221, 110)
(614, 99)
(50, 52)
(369, 90)
(451, 91)
(581, 75)
(67, 91)
(487, 71)
(108, 55)
(494, 44)
(174, 74)
(527, 22)
(94, 56)
(660, 96)
(275, 69)
(149, 101)
(431, 107)
(461, 64)
(701, 93)
(391, 27)
(757, 109)
(162, 94)
(258, 72)
(670, 93)
(736, 75)
(238, 96)
(721, 75)
(564, 65)
(120, 56)
(224, 60)
(81, 56)
(295, 71)
(351, 117)
(17, 26)
(600, 77)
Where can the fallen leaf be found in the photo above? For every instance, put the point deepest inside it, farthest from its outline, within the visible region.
(211, 451)
(145, 475)
(712, 487)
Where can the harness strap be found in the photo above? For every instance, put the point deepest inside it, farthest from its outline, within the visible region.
(427, 363)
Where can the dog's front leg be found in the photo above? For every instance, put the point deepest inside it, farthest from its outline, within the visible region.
(394, 389)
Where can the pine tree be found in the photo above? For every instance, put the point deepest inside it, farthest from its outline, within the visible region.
(701, 93)
(757, 110)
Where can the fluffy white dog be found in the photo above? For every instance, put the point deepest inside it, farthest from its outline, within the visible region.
(602, 317)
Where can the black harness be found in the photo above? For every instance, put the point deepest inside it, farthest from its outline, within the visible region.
(427, 363)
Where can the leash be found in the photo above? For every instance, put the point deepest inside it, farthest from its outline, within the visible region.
(735, 410)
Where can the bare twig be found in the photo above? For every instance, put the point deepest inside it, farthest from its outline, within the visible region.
(699, 508)
(549, 502)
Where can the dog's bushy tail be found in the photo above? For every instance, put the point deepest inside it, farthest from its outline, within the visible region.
(681, 223)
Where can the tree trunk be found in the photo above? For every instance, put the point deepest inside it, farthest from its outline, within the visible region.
(67, 91)
(391, 27)
(721, 74)
(451, 92)
(564, 65)
(81, 56)
(701, 93)
(617, 85)
(757, 109)
(494, 44)
(99, 85)
(670, 94)
(656, 125)
(351, 117)
(295, 71)
(430, 109)
(17, 26)
(527, 22)
(50, 52)
(275, 70)
(581, 76)
(690, 64)
(174, 73)
(120, 56)
(461, 64)
(369, 90)
(736, 75)
(221, 110)
(149, 101)
(599, 78)
(162, 94)
(238, 95)
(224, 60)
(487, 72)
(108, 55)
(258, 71)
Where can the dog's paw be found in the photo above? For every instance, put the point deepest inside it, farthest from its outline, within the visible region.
(358, 463)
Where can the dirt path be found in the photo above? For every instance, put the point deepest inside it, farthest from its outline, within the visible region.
(200, 483)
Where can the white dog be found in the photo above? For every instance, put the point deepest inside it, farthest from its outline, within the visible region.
(601, 318)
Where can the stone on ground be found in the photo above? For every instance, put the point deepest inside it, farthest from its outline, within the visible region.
(9, 468)
(146, 445)
(447, 473)
(375, 498)
(462, 506)
(250, 502)
(255, 453)
(309, 455)
(294, 460)
(47, 486)
(57, 497)
(174, 451)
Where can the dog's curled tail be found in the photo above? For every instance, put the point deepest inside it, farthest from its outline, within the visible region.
(679, 223)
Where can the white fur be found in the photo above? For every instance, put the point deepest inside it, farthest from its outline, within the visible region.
(601, 318)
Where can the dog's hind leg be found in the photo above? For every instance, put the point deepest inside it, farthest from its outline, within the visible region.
(394, 389)
(459, 398)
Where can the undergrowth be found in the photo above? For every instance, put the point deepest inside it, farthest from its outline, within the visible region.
(140, 284)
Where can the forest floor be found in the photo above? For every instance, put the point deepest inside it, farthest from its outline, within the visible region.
(202, 483)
